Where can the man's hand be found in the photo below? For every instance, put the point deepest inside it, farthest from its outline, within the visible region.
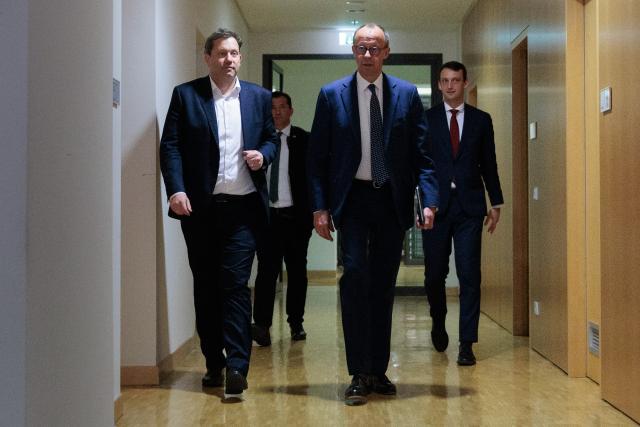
(323, 224)
(253, 158)
(429, 216)
(179, 203)
(493, 216)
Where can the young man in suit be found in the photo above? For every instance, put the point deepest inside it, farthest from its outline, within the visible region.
(367, 152)
(289, 231)
(463, 149)
(217, 141)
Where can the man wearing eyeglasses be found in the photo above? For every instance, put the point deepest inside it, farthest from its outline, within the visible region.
(217, 141)
(367, 152)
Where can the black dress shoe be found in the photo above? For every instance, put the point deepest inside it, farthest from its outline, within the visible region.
(356, 393)
(382, 385)
(235, 384)
(465, 354)
(439, 336)
(212, 379)
(261, 335)
(298, 333)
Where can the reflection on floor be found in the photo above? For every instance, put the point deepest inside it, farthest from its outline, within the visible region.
(302, 383)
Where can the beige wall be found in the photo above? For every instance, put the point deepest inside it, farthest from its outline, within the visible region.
(487, 37)
(619, 58)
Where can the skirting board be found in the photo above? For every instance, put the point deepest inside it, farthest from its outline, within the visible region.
(169, 363)
(117, 409)
(139, 375)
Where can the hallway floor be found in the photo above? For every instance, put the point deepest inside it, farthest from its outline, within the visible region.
(302, 383)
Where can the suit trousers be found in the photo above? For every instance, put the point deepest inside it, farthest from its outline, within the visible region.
(371, 242)
(221, 244)
(286, 238)
(466, 233)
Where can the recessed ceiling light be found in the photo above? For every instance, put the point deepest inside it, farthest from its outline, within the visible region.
(355, 22)
(355, 2)
(356, 10)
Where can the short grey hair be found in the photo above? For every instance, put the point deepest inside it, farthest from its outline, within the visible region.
(372, 25)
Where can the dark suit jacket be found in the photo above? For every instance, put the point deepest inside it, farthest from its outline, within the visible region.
(335, 151)
(298, 143)
(475, 165)
(189, 151)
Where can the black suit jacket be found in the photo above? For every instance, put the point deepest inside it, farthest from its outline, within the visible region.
(298, 143)
(189, 151)
(474, 168)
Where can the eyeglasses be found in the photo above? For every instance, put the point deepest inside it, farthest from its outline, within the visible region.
(373, 50)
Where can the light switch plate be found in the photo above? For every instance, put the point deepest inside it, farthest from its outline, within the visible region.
(536, 308)
(533, 130)
(536, 193)
(605, 99)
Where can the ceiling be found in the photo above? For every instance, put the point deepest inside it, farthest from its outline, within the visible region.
(398, 15)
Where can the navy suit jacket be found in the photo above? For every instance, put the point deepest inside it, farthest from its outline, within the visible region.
(335, 150)
(189, 150)
(475, 165)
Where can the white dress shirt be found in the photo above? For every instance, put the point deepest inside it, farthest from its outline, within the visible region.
(233, 172)
(364, 102)
(284, 185)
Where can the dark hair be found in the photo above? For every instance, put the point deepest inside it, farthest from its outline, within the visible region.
(220, 33)
(279, 94)
(455, 66)
(372, 25)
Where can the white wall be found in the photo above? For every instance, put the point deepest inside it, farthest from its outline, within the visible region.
(69, 352)
(116, 159)
(13, 187)
(138, 159)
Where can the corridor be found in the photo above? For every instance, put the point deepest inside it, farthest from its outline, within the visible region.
(302, 383)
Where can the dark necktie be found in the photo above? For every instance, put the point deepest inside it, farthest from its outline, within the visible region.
(379, 173)
(275, 171)
(455, 133)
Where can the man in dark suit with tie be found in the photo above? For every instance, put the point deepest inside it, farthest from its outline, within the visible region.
(289, 231)
(217, 141)
(461, 139)
(367, 152)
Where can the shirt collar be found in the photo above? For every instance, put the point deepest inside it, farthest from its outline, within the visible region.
(234, 92)
(363, 84)
(448, 107)
(286, 130)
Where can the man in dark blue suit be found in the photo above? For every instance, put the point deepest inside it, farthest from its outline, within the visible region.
(367, 152)
(217, 141)
(461, 139)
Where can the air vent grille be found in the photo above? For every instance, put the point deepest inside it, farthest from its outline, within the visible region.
(593, 331)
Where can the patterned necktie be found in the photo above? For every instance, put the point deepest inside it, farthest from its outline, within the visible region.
(379, 172)
(275, 171)
(455, 133)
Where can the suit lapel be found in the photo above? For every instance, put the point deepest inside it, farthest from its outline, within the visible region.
(349, 97)
(206, 100)
(442, 127)
(246, 101)
(389, 101)
(469, 117)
